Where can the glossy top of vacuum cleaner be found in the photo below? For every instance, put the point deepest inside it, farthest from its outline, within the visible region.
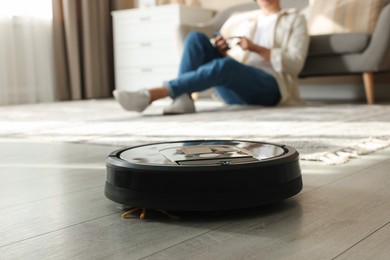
(200, 153)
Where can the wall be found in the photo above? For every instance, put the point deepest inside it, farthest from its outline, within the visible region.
(220, 4)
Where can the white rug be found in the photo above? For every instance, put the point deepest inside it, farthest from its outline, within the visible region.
(329, 133)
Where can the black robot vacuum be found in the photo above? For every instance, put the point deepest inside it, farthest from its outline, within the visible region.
(202, 175)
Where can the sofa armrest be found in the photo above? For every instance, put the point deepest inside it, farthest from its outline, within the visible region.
(206, 28)
(377, 54)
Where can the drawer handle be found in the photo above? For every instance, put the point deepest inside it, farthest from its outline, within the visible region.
(145, 19)
(146, 44)
(146, 70)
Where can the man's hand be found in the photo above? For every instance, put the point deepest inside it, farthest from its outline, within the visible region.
(248, 45)
(245, 43)
(221, 45)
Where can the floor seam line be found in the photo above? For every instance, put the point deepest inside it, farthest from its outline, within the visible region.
(361, 240)
(62, 228)
(181, 242)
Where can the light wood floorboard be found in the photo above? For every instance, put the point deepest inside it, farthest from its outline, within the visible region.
(375, 246)
(52, 206)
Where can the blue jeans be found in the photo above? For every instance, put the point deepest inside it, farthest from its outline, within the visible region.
(202, 67)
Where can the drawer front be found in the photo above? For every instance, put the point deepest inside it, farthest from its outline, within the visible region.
(143, 19)
(147, 15)
(136, 79)
(163, 31)
(148, 24)
(176, 12)
(147, 54)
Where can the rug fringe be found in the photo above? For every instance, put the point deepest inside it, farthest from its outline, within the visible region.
(345, 154)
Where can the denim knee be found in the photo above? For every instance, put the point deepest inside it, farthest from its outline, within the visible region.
(225, 65)
(196, 37)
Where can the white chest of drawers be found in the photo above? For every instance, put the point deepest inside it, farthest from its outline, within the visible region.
(148, 45)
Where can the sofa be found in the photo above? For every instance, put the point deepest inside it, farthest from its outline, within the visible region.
(332, 54)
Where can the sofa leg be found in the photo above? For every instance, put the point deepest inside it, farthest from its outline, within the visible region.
(368, 79)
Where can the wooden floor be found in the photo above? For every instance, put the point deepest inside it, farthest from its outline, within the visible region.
(52, 206)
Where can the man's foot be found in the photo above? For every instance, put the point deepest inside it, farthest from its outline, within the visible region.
(181, 105)
(133, 101)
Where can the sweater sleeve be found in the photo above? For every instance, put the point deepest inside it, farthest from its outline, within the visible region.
(290, 57)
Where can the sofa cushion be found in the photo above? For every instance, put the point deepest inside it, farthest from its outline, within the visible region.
(341, 16)
(337, 44)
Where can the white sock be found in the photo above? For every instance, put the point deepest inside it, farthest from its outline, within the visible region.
(133, 101)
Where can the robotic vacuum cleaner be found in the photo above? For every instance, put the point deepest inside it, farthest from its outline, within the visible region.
(202, 175)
